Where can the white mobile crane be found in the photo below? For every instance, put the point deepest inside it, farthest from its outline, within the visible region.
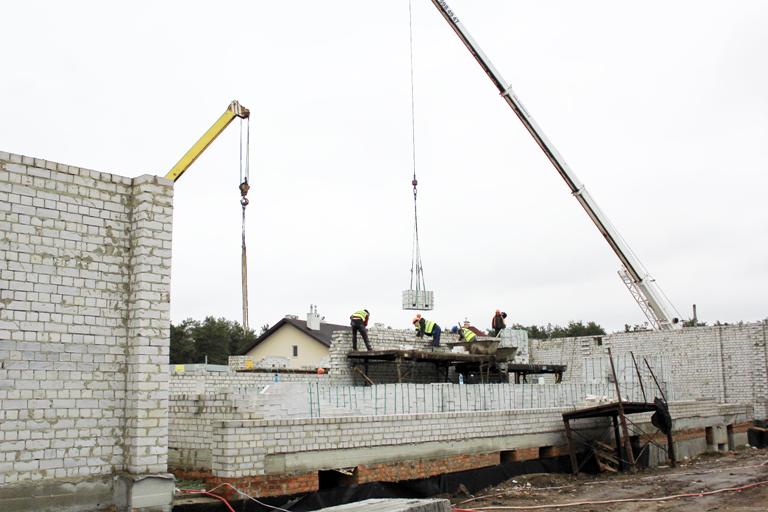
(643, 288)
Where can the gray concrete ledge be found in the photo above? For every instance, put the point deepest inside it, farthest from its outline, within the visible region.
(64, 495)
(135, 493)
(393, 505)
(330, 459)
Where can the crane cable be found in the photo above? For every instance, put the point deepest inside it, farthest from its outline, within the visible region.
(244, 187)
(416, 250)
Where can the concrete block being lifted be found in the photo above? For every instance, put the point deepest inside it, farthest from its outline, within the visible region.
(418, 300)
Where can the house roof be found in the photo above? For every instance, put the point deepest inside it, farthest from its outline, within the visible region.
(323, 335)
(476, 330)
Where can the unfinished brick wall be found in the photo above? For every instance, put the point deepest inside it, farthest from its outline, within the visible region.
(84, 321)
(726, 363)
(212, 382)
(191, 425)
(382, 339)
(193, 416)
(245, 448)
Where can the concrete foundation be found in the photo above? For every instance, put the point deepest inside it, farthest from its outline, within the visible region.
(58, 496)
(123, 493)
(149, 493)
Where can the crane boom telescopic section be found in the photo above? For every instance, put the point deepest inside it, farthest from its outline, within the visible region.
(657, 310)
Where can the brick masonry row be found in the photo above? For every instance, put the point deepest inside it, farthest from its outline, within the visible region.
(726, 363)
(241, 447)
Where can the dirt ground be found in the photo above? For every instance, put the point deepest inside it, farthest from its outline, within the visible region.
(707, 473)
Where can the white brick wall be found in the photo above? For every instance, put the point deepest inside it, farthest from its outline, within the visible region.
(727, 363)
(690, 359)
(194, 415)
(241, 447)
(383, 339)
(212, 382)
(191, 424)
(84, 283)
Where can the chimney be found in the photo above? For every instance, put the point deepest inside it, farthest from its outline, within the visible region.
(313, 319)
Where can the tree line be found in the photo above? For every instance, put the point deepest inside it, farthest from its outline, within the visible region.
(572, 330)
(216, 338)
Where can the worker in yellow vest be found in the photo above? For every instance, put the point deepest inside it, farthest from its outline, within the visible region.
(359, 322)
(466, 335)
(428, 327)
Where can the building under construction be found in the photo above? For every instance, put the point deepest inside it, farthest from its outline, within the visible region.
(93, 416)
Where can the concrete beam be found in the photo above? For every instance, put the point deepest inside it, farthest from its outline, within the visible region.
(341, 458)
(393, 505)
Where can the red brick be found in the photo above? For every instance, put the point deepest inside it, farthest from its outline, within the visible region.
(423, 468)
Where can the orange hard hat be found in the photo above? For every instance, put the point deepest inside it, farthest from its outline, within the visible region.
(320, 371)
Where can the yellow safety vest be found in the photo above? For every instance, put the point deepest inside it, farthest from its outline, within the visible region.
(468, 335)
(362, 315)
(429, 326)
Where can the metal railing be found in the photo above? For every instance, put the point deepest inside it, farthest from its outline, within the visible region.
(325, 400)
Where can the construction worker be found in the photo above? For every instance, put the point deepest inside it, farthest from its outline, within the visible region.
(467, 335)
(428, 327)
(359, 322)
(498, 324)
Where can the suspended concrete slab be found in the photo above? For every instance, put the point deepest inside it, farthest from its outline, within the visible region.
(418, 300)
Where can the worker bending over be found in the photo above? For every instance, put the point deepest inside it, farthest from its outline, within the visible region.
(359, 322)
(466, 335)
(498, 324)
(428, 327)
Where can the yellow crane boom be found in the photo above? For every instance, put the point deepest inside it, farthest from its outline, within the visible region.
(234, 110)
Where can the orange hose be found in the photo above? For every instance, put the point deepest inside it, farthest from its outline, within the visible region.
(220, 498)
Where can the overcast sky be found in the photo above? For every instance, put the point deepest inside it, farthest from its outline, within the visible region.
(660, 108)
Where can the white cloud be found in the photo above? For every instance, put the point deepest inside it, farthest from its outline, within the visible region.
(660, 108)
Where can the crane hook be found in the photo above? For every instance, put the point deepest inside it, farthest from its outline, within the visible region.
(244, 188)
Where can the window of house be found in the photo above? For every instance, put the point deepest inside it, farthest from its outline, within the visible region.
(295, 351)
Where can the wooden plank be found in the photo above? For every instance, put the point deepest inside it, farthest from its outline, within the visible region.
(358, 370)
(571, 450)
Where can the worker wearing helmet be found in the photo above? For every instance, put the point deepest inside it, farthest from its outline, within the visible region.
(467, 335)
(428, 327)
(359, 322)
(498, 324)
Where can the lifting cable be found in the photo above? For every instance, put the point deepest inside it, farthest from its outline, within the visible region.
(416, 250)
(244, 187)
